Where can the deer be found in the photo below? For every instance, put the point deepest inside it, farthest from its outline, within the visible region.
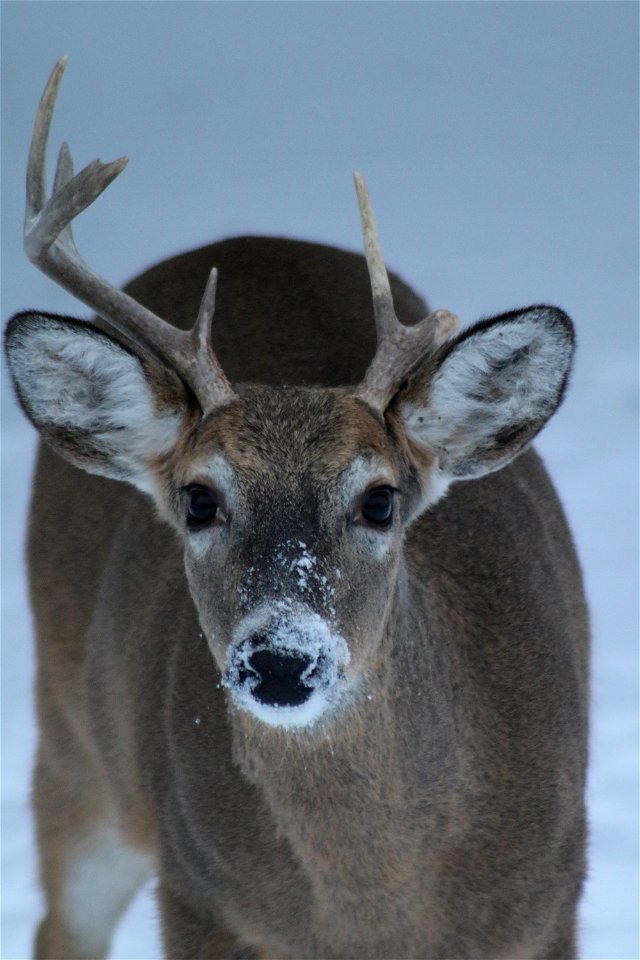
(311, 631)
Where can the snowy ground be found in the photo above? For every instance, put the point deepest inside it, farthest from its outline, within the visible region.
(500, 144)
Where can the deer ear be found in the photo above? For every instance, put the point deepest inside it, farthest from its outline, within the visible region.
(92, 399)
(483, 397)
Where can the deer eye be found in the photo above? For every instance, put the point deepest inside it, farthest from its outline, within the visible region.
(202, 506)
(377, 506)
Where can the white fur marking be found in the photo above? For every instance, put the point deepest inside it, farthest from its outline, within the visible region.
(220, 475)
(103, 876)
(198, 543)
(294, 629)
(361, 474)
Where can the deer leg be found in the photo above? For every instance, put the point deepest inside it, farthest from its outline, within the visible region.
(89, 872)
(193, 936)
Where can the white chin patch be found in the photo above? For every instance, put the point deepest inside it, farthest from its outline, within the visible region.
(285, 717)
(286, 666)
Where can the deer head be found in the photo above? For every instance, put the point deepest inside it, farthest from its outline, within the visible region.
(291, 502)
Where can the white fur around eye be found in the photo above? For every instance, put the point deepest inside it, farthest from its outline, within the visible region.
(366, 471)
(216, 471)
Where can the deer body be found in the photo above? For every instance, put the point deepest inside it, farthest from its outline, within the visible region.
(339, 710)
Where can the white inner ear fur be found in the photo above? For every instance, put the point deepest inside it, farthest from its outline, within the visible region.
(500, 377)
(80, 381)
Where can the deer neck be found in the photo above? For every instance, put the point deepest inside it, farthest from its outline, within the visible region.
(388, 752)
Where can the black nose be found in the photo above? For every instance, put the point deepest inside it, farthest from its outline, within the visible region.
(280, 676)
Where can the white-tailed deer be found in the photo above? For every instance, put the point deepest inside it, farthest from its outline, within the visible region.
(322, 662)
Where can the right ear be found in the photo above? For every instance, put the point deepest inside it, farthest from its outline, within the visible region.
(477, 403)
(92, 399)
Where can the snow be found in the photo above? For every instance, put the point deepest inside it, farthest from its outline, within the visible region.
(499, 142)
(292, 628)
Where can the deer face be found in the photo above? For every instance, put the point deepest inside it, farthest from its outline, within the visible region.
(291, 503)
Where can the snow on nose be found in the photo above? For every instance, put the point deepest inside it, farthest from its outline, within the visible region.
(286, 665)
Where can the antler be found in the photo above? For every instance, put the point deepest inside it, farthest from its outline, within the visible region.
(399, 346)
(49, 244)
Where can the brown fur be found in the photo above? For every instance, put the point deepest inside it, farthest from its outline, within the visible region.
(441, 815)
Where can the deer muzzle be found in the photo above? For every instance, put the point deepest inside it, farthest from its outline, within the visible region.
(286, 666)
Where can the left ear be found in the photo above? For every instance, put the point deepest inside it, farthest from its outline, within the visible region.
(482, 398)
(94, 400)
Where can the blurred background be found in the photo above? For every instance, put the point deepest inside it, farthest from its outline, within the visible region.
(500, 143)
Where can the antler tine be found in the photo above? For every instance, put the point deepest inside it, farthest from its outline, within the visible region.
(204, 359)
(49, 245)
(36, 186)
(62, 176)
(64, 168)
(400, 347)
(202, 328)
(383, 309)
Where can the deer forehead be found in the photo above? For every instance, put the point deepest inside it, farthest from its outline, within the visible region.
(292, 439)
(366, 469)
